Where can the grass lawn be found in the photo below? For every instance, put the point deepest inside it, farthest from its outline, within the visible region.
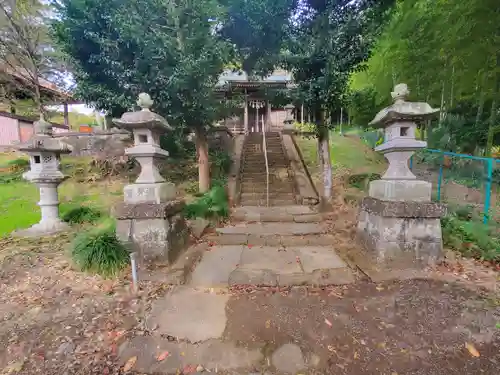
(18, 199)
(347, 152)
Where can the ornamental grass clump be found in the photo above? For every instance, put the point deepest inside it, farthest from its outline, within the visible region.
(98, 250)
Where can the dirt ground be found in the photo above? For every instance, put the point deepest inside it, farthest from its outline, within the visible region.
(56, 320)
(410, 327)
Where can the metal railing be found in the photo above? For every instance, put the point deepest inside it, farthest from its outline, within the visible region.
(264, 146)
(461, 179)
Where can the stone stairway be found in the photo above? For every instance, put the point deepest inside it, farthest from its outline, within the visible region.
(253, 182)
(271, 246)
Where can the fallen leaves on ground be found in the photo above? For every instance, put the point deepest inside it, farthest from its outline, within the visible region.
(472, 350)
(328, 323)
(162, 356)
(130, 364)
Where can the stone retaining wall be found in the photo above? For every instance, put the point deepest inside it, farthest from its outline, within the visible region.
(102, 144)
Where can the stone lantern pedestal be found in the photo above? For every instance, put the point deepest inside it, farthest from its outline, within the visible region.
(398, 220)
(44, 152)
(150, 217)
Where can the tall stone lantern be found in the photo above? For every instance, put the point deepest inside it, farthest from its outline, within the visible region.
(150, 216)
(288, 121)
(45, 152)
(398, 219)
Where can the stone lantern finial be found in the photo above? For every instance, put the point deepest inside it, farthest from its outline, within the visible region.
(42, 127)
(400, 93)
(145, 101)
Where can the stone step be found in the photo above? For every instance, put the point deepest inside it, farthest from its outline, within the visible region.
(224, 266)
(263, 202)
(274, 239)
(266, 229)
(272, 196)
(296, 213)
(273, 191)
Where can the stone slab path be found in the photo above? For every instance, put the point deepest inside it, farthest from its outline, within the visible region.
(224, 266)
(407, 327)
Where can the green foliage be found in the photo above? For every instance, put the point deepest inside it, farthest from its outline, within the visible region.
(13, 170)
(362, 106)
(305, 127)
(258, 29)
(99, 250)
(221, 163)
(455, 68)
(19, 164)
(170, 49)
(361, 180)
(213, 204)
(317, 48)
(471, 238)
(82, 214)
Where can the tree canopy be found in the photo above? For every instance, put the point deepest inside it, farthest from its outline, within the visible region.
(447, 51)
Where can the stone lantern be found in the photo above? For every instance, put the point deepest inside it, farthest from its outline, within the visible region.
(45, 152)
(288, 121)
(150, 216)
(398, 219)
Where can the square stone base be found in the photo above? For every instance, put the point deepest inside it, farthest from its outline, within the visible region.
(158, 232)
(150, 193)
(393, 231)
(401, 190)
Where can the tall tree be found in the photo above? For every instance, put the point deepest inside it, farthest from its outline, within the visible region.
(169, 48)
(26, 52)
(329, 40)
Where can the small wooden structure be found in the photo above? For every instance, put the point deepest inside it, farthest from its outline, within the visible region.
(257, 115)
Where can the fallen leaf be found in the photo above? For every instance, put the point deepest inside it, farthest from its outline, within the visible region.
(13, 368)
(328, 323)
(129, 364)
(162, 356)
(498, 325)
(379, 288)
(356, 355)
(472, 350)
(189, 369)
(268, 323)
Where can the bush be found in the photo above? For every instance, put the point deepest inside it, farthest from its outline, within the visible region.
(19, 164)
(471, 238)
(213, 204)
(361, 180)
(82, 214)
(221, 163)
(99, 250)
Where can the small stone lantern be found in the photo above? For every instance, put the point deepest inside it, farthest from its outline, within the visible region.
(288, 122)
(44, 152)
(150, 217)
(398, 218)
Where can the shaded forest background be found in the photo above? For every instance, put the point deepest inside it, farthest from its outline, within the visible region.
(448, 52)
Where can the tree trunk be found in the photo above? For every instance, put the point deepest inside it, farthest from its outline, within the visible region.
(491, 128)
(203, 162)
(324, 157)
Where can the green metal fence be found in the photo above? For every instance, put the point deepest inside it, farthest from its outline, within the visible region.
(461, 180)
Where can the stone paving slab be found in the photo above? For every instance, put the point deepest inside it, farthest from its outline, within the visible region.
(280, 260)
(283, 229)
(216, 266)
(214, 355)
(189, 314)
(317, 258)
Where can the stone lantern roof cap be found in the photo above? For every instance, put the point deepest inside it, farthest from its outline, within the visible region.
(144, 118)
(42, 140)
(403, 110)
